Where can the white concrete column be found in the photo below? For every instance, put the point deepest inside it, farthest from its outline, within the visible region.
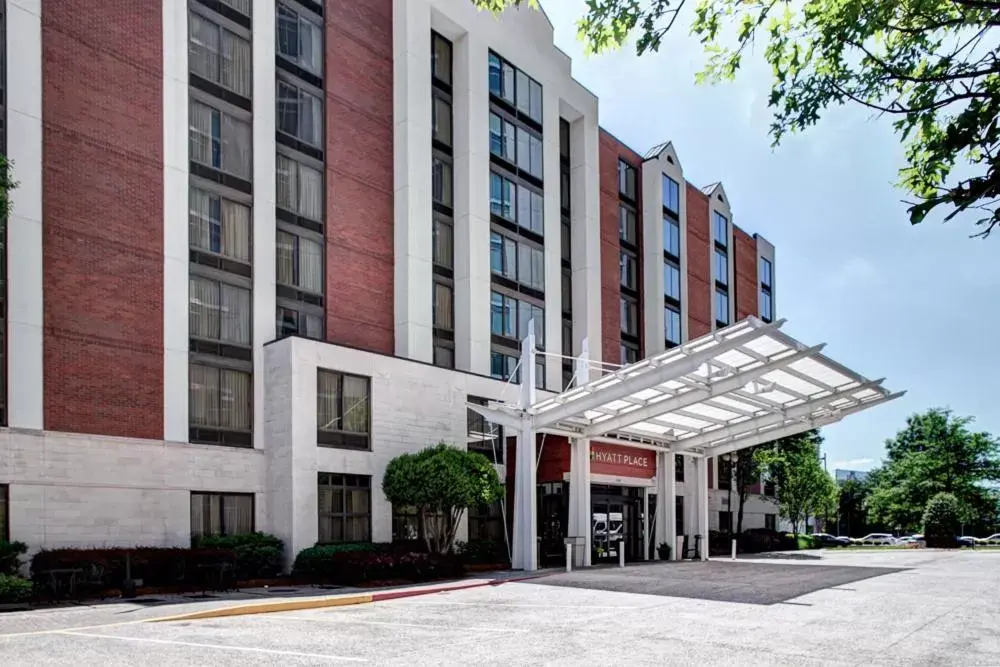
(701, 491)
(25, 306)
(579, 499)
(176, 185)
(411, 32)
(666, 507)
(652, 257)
(585, 250)
(264, 201)
(525, 546)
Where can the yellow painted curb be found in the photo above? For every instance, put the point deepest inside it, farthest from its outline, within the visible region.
(268, 608)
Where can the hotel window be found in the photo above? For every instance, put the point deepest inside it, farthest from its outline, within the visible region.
(721, 267)
(515, 87)
(219, 311)
(299, 188)
(766, 306)
(626, 225)
(629, 353)
(300, 114)
(504, 366)
(345, 508)
(441, 59)
(531, 266)
(672, 326)
(299, 262)
(343, 410)
(291, 322)
(503, 197)
(444, 356)
(529, 153)
(671, 195)
(628, 266)
(219, 56)
(630, 316)
(503, 138)
(766, 296)
(219, 141)
(765, 272)
(671, 237)
(215, 514)
(484, 436)
(219, 226)
(721, 307)
(510, 317)
(678, 468)
(441, 120)
(300, 40)
(242, 6)
(530, 209)
(486, 523)
(443, 242)
(626, 180)
(721, 230)
(671, 281)
(220, 398)
(517, 260)
(444, 314)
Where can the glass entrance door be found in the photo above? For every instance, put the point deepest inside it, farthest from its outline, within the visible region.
(616, 525)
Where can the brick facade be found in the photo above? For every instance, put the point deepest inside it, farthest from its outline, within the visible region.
(359, 165)
(699, 274)
(103, 202)
(745, 256)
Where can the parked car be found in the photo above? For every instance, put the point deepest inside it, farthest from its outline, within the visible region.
(911, 540)
(828, 540)
(966, 541)
(876, 539)
(991, 539)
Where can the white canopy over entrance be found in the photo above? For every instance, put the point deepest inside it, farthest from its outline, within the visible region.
(737, 387)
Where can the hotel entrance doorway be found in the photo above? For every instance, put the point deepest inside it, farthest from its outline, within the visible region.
(617, 523)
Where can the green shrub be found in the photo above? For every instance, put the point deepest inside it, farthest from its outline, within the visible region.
(942, 521)
(10, 556)
(156, 566)
(258, 555)
(354, 564)
(14, 588)
(492, 552)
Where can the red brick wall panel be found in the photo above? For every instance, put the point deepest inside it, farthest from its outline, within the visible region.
(745, 268)
(103, 229)
(359, 171)
(699, 269)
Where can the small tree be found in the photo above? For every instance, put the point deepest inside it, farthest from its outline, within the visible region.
(803, 486)
(7, 183)
(942, 519)
(441, 482)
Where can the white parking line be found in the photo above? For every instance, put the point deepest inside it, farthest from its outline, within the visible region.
(485, 603)
(436, 626)
(223, 647)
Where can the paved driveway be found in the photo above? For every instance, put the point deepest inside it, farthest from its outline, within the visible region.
(934, 608)
(723, 581)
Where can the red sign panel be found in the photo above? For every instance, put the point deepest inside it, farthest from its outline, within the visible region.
(622, 461)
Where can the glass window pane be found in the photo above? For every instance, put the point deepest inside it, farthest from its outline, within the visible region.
(536, 101)
(722, 307)
(671, 237)
(508, 83)
(442, 181)
(496, 253)
(235, 315)
(443, 243)
(496, 77)
(523, 92)
(523, 150)
(721, 267)
(442, 120)
(496, 313)
(671, 281)
(496, 135)
(442, 306)
(441, 60)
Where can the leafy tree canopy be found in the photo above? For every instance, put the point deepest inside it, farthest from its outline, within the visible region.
(931, 65)
(935, 453)
(441, 482)
(942, 520)
(803, 487)
(7, 183)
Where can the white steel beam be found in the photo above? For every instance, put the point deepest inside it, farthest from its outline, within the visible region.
(656, 373)
(693, 396)
(795, 412)
(795, 429)
(495, 415)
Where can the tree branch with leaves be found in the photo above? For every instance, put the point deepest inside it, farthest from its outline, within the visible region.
(932, 66)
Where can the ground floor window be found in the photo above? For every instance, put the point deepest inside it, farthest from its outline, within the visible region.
(486, 522)
(771, 521)
(4, 517)
(221, 514)
(345, 508)
(725, 522)
(405, 524)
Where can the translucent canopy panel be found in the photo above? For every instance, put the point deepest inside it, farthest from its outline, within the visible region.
(733, 388)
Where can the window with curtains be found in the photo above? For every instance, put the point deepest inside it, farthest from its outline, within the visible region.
(444, 311)
(300, 114)
(503, 197)
(292, 322)
(219, 311)
(242, 6)
(343, 410)
(221, 514)
(486, 522)
(443, 242)
(444, 355)
(300, 39)
(300, 188)
(345, 507)
(219, 56)
(299, 262)
(218, 225)
(219, 141)
(441, 59)
(441, 181)
(220, 398)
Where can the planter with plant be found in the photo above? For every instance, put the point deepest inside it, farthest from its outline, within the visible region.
(663, 550)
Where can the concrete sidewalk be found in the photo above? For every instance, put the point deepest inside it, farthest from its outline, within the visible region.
(217, 604)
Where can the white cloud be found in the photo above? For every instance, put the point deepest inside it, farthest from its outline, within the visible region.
(853, 464)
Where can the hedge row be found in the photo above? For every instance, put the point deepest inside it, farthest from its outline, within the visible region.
(350, 564)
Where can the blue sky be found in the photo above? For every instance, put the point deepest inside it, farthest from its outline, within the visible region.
(917, 305)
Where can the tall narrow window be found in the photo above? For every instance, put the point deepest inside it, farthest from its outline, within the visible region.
(721, 267)
(630, 316)
(766, 272)
(442, 306)
(441, 59)
(626, 180)
(672, 326)
(671, 237)
(721, 230)
(721, 307)
(441, 182)
(300, 39)
(299, 188)
(671, 195)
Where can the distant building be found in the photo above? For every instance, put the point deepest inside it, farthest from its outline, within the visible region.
(855, 475)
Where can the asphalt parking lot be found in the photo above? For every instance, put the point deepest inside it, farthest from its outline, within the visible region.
(899, 608)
